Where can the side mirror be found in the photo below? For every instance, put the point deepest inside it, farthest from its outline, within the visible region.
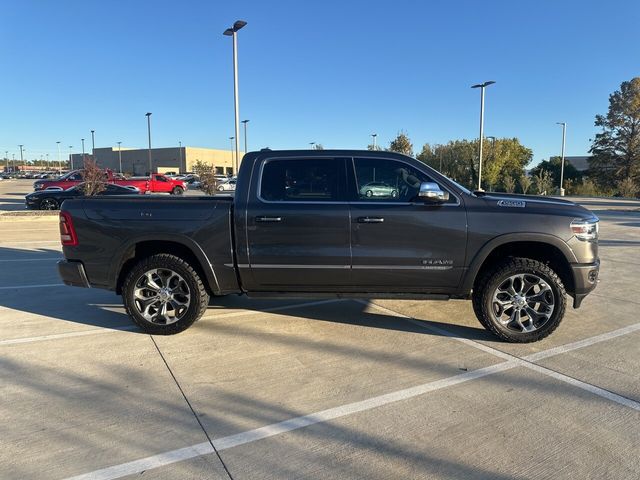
(430, 192)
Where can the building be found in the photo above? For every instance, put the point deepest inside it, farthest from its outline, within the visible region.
(135, 161)
(579, 163)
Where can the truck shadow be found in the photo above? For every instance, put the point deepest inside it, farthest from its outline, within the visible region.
(101, 308)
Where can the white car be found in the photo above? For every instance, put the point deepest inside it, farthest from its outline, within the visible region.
(227, 186)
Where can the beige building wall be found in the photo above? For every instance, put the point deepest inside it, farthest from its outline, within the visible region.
(222, 160)
(172, 159)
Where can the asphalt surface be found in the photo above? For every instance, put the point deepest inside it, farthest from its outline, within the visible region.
(313, 389)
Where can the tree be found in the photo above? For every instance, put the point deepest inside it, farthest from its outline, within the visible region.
(627, 188)
(525, 183)
(554, 165)
(93, 177)
(206, 172)
(401, 144)
(458, 159)
(543, 181)
(374, 148)
(616, 149)
(318, 146)
(509, 184)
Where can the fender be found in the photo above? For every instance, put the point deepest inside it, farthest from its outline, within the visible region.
(119, 259)
(491, 245)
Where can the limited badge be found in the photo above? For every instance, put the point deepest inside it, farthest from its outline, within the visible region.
(512, 203)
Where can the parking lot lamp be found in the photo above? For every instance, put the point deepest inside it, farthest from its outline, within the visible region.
(374, 136)
(21, 157)
(311, 144)
(481, 86)
(120, 155)
(232, 159)
(93, 147)
(564, 134)
(59, 161)
(82, 139)
(70, 157)
(148, 115)
(233, 32)
(245, 134)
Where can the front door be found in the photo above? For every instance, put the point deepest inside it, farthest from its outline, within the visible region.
(401, 244)
(298, 226)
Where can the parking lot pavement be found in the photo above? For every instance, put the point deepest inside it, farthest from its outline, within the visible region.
(313, 388)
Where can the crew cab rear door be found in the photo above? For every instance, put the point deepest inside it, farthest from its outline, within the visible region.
(297, 225)
(398, 243)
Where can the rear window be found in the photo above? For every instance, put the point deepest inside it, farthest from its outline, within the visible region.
(302, 180)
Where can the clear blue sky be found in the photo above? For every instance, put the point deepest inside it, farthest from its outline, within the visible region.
(332, 72)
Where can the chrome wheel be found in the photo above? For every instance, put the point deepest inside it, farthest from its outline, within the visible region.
(523, 303)
(49, 204)
(161, 296)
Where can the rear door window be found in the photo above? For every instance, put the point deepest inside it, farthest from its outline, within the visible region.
(303, 180)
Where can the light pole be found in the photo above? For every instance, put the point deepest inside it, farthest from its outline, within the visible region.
(180, 153)
(21, 157)
(120, 155)
(233, 32)
(59, 161)
(93, 146)
(232, 159)
(82, 140)
(148, 115)
(6, 157)
(245, 135)
(374, 136)
(312, 144)
(481, 86)
(564, 135)
(70, 157)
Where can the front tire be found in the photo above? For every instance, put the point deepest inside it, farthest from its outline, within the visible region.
(520, 300)
(177, 191)
(164, 295)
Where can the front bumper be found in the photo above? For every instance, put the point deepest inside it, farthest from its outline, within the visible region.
(72, 273)
(585, 279)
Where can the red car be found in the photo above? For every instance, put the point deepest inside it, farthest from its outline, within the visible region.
(156, 184)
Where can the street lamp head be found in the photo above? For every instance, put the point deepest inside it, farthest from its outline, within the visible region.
(148, 114)
(238, 25)
(561, 123)
(58, 142)
(93, 131)
(245, 121)
(231, 138)
(482, 85)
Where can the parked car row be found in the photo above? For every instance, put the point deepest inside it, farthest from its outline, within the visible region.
(29, 175)
(51, 198)
(157, 183)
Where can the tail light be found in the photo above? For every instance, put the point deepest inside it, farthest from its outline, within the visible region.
(68, 235)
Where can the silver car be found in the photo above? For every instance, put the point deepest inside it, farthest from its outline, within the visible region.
(378, 189)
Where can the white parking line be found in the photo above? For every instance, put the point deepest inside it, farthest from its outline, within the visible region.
(55, 336)
(223, 443)
(20, 287)
(30, 259)
(29, 242)
(95, 331)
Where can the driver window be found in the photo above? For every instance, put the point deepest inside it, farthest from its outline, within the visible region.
(387, 180)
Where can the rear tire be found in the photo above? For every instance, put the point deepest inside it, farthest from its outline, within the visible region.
(164, 295)
(49, 204)
(520, 300)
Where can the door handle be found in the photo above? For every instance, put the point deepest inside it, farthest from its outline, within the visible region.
(370, 219)
(264, 219)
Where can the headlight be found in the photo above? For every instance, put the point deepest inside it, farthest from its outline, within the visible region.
(585, 229)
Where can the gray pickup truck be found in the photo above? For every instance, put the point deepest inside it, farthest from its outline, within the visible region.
(353, 224)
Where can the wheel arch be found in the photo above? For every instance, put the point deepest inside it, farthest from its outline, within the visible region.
(143, 247)
(545, 248)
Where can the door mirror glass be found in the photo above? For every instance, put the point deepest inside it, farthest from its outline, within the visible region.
(431, 192)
